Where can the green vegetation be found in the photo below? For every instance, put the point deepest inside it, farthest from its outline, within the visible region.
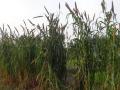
(89, 61)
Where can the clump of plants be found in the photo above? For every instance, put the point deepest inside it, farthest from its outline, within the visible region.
(49, 61)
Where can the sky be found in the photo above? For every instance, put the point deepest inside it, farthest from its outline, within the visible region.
(13, 12)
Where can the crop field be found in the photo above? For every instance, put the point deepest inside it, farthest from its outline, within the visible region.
(49, 61)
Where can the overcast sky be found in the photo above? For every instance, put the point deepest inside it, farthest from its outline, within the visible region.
(14, 11)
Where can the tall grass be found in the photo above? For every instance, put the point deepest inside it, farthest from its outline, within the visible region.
(34, 60)
(45, 62)
(95, 51)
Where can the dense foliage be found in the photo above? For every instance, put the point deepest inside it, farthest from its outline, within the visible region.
(89, 61)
